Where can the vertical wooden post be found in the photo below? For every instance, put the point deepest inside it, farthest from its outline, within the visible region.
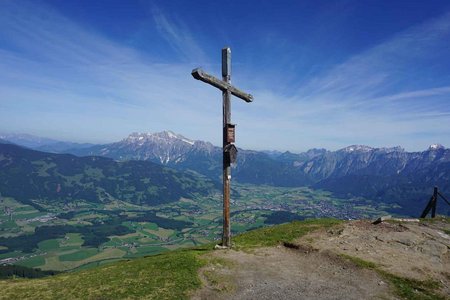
(435, 196)
(227, 90)
(226, 77)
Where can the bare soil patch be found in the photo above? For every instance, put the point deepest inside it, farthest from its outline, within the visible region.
(408, 249)
(287, 273)
(314, 266)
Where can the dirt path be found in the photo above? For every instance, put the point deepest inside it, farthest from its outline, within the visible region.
(408, 249)
(312, 266)
(283, 273)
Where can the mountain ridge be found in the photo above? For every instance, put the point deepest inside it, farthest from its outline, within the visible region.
(389, 174)
(30, 141)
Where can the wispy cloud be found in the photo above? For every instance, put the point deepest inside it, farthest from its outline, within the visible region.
(389, 94)
(69, 82)
(179, 37)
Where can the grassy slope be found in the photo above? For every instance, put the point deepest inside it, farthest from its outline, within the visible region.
(167, 276)
(271, 236)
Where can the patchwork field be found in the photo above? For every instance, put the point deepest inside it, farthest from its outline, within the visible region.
(82, 235)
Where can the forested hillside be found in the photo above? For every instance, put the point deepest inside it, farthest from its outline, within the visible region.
(28, 175)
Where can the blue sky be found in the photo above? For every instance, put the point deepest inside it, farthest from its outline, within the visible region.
(323, 73)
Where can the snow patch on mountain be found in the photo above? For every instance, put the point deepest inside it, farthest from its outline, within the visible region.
(435, 147)
(356, 148)
(163, 136)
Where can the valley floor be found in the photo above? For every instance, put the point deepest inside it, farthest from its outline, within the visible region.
(84, 235)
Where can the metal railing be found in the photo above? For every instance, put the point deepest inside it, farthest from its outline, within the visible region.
(433, 203)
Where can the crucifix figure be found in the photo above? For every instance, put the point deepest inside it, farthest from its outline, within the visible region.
(229, 150)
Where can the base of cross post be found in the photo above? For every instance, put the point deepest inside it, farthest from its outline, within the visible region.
(220, 247)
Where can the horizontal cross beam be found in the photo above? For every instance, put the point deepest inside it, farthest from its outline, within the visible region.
(199, 74)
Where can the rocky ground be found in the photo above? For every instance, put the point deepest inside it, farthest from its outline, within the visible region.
(321, 265)
(408, 249)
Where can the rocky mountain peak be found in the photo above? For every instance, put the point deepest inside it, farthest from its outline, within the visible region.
(434, 147)
(315, 152)
(165, 147)
(392, 149)
(356, 148)
(163, 136)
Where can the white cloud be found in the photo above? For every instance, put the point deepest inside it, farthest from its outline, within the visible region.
(382, 96)
(177, 34)
(58, 70)
(60, 79)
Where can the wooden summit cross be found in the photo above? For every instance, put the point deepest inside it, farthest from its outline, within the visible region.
(229, 150)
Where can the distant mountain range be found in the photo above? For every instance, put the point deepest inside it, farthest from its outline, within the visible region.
(387, 174)
(40, 143)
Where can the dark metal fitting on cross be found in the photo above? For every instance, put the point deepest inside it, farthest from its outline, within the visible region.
(230, 152)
